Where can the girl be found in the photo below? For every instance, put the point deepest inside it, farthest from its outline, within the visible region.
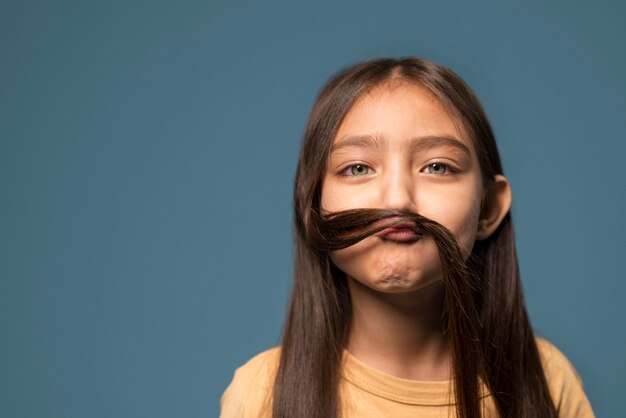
(406, 298)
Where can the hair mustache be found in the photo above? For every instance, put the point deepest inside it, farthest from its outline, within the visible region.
(337, 230)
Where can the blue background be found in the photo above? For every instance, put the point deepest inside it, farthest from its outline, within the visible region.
(147, 153)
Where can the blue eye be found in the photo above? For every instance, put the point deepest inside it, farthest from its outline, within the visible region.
(357, 170)
(437, 168)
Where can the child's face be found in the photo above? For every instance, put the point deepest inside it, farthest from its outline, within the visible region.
(398, 148)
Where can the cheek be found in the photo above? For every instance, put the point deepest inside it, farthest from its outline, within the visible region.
(351, 260)
(460, 215)
(329, 198)
(466, 234)
(333, 202)
(336, 197)
(465, 231)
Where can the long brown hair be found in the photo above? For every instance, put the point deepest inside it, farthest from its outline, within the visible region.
(488, 327)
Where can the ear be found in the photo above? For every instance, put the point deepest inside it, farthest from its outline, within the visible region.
(496, 204)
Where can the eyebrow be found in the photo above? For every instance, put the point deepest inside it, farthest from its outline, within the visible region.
(359, 141)
(414, 145)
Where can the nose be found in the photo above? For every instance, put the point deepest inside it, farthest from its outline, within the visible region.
(399, 191)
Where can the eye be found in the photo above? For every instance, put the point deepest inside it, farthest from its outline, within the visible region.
(355, 170)
(437, 168)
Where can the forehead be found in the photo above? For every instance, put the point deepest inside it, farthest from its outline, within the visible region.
(401, 111)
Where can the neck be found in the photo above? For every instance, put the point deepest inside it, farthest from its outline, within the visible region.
(400, 334)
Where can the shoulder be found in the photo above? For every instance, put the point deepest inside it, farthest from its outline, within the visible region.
(248, 394)
(564, 383)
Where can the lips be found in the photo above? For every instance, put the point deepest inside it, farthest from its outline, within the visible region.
(405, 232)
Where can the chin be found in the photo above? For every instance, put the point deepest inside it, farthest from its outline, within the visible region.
(394, 284)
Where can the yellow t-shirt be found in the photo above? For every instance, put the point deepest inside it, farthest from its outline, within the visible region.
(366, 392)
